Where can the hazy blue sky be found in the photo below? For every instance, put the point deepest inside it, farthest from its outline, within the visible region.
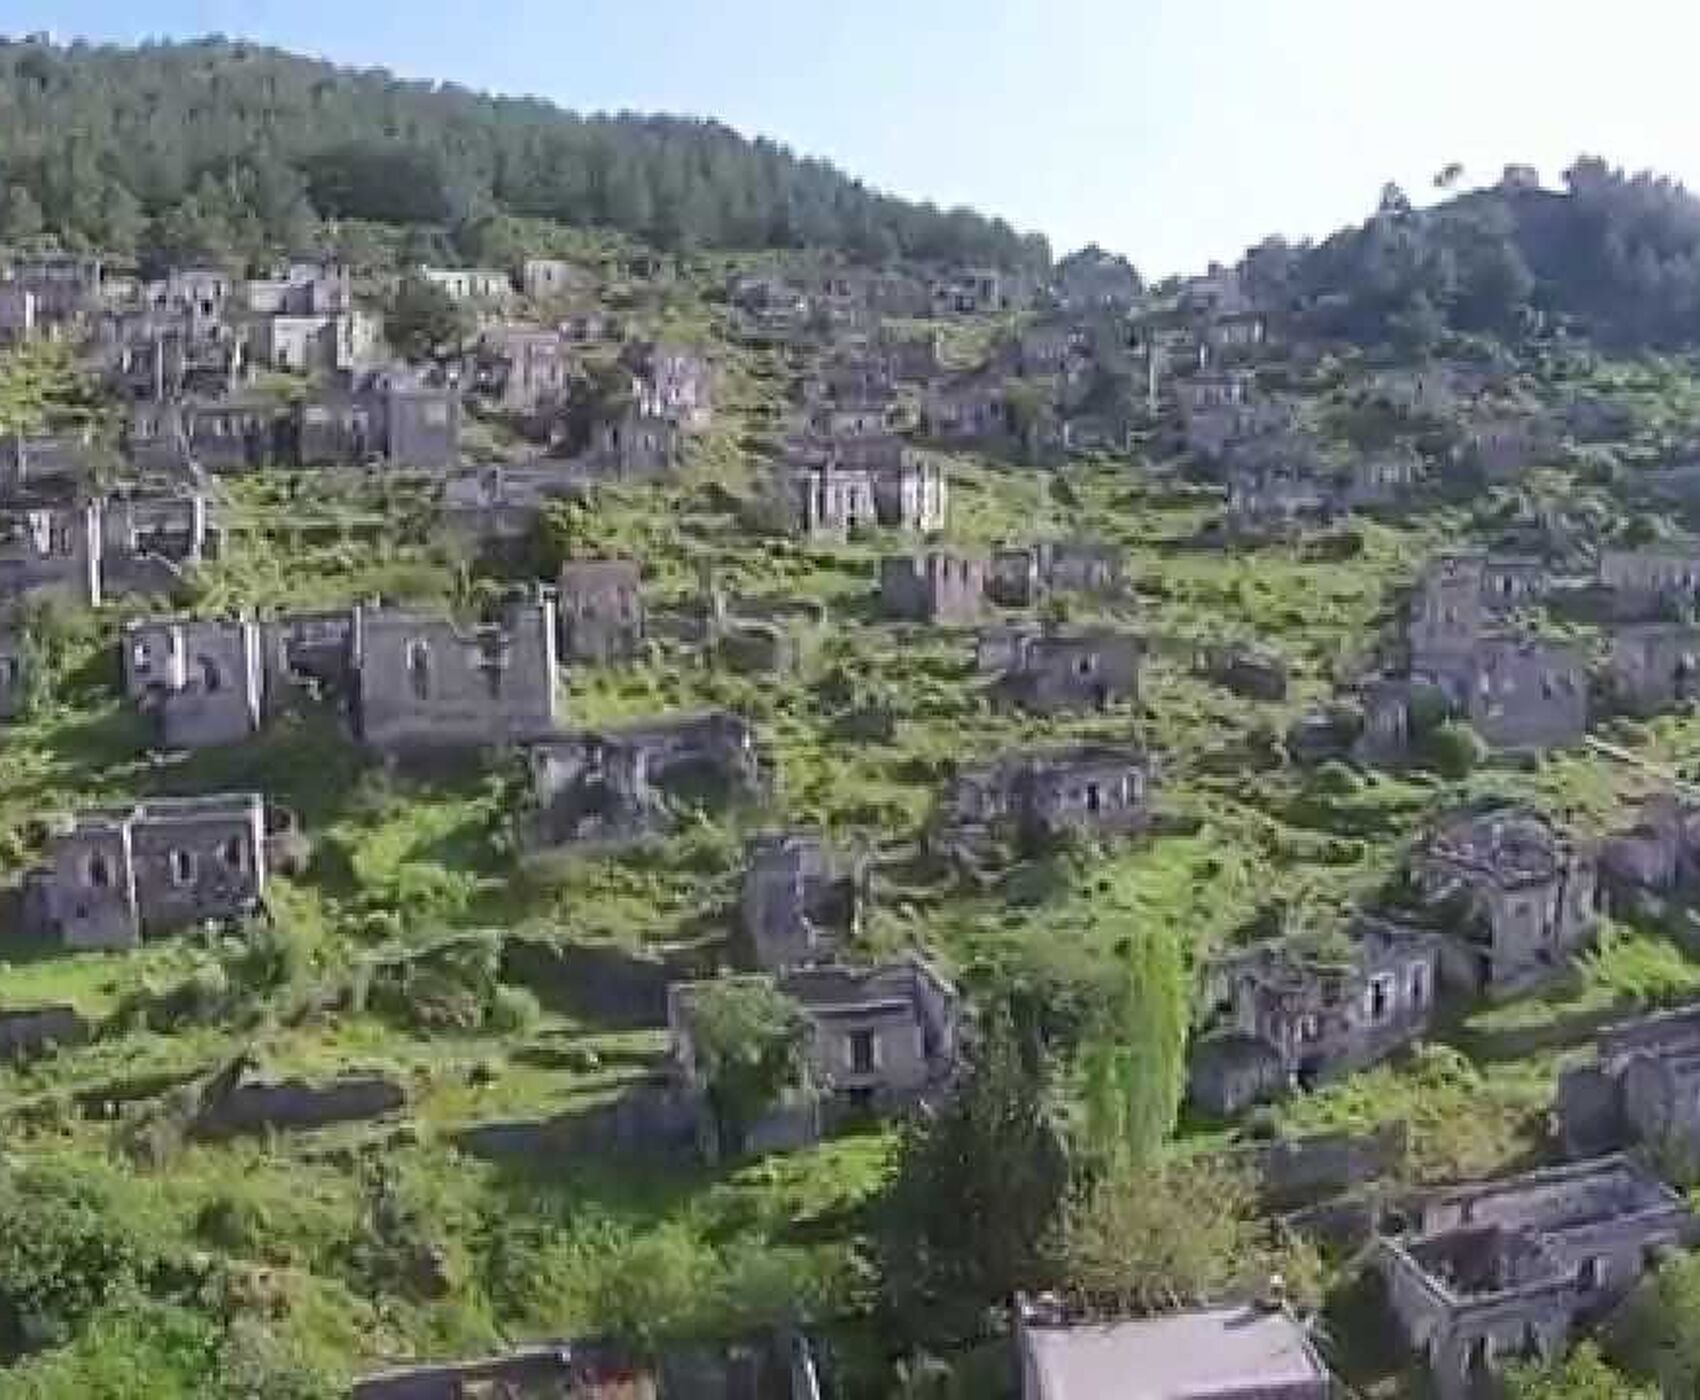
(1172, 130)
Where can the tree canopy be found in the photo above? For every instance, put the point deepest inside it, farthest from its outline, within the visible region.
(1616, 254)
(222, 147)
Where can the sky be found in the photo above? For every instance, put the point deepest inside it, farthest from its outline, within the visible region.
(1174, 131)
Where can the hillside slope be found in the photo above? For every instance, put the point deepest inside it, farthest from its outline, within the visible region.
(184, 147)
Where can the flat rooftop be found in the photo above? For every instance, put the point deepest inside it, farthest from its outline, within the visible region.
(1222, 1351)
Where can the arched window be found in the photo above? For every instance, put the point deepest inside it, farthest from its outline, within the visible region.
(182, 866)
(212, 680)
(99, 871)
(233, 851)
(419, 668)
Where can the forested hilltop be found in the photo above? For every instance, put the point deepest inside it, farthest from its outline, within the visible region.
(212, 147)
(1612, 256)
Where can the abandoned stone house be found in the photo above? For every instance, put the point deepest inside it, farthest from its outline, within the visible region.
(1036, 794)
(543, 278)
(1248, 669)
(479, 284)
(594, 327)
(1654, 666)
(302, 287)
(1060, 671)
(426, 683)
(912, 360)
(17, 660)
(974, 291)
(1278, 492)
(1419, 391)
(1024, 575)
(1235, 335)
(523, 369)
(115, 876)
(416, 424)
(1642, 1089)
(1519, 693)
(862, 415)
(671, 382)
(611, 787)
(1655, 857)
(1253, 1351)
(46, 466)
(65, 286)
(1381, 479)
(148, 538)
(803, 901)
(233, 434)
(499, 506)
(342, 342)
(1500, 451)
(201, 681)
(633, 447)
(1500, 1270)
(92, 550)
(1211, 431)
(1391, 707)
(50, 547)
(155, 438)
(600, 602)
(19, 321)
(1044, 349)
(1288, 1018)
(1651, 581)
(1218, 291)
(831, 496)
(1518, 898)
(970, 409)
(936, 587)
(1460, 595)
(879, 1040)
(1215, 389)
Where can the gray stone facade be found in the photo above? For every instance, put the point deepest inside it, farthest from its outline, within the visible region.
(1643, 1088)
(879, 1038)
(139, 543)
(118, 875)
(600, 602)
(838, 492)
(426, 683)
(1022, 576)
(1655, 666)
(1521, 693)
(1045, 792)
(201, 681)
(935, 587)
(1293, 1019)
(1517, 897)
(1500, 1270)
(802, 900)
(1460, 596)
(612, 787)
(1057, 672)
(1651, 580)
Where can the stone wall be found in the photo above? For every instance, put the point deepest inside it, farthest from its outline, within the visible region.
(35, 1030)
(294, 1104)
(651, 1119)
(610, 986)
(1296, 1171)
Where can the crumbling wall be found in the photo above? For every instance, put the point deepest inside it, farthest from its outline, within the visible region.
(36, 1030)
(294, 1104)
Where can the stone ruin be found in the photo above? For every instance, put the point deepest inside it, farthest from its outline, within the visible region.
(611, 787)
(1484, 1273)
